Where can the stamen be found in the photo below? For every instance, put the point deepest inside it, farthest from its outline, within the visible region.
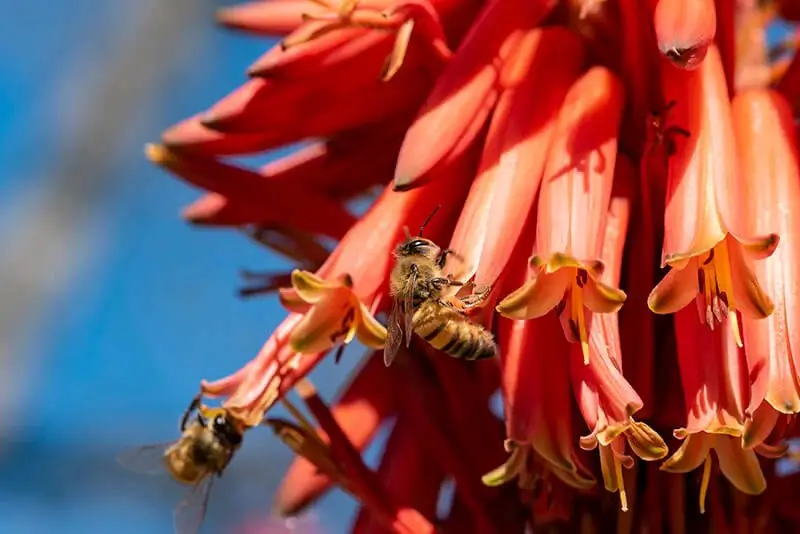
(578, 316)
(704, 483)
(623, 496)
(722, 266)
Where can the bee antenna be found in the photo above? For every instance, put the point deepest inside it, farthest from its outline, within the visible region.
(422, 228)
(407, 232)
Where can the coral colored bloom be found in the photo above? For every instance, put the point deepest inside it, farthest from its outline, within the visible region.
(515, 153)
(767, 149)
(333, 313)
(606, 399)
(715, 387)
(573, 204)
(685, 29)
(705, 245)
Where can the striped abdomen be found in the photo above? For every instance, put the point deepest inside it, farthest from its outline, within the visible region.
(449, 331)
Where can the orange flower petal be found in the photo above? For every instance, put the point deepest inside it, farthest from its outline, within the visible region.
(739, 466)
(537, 296)
(328, 322)
(675, 291)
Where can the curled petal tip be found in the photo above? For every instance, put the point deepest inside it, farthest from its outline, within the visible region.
(646, 443)
(674, 292)
(156, 153)
(685, 29)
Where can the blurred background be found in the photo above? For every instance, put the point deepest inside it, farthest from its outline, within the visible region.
(111, 307)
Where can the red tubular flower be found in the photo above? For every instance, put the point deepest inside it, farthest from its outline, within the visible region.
(538, 409)
(715, 388)
(685, 29)
(606, 400)
(460, 102)
(515, 152)
(240, 187)
(767, 149)
(573, 205)
(704, 242)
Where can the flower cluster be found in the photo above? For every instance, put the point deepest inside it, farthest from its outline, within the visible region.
(600, 165)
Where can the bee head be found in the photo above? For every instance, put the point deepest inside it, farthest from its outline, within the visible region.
(418, 246)
(223, 427)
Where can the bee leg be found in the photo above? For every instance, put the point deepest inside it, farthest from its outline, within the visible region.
(440, 283)
(195, 404)
(476, 299)
(447, 252)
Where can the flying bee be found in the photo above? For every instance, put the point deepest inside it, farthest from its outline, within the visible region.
(420, 304)
(206, 445)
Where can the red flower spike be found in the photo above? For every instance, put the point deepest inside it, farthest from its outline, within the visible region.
(515, 153)
(705, 243)
(685, 29)
(412, 478)
(273, 17)
(768, 160)
(573, 205)
(311, 211)
(465, 93)
(191, 135)
(360, 409)
(606, 400)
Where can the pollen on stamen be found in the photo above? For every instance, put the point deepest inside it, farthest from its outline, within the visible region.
(714, 294)
(623, 495)
(704, 484)
(578, 318)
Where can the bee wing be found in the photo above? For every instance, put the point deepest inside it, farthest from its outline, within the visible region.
(394, 332)
(190, 512)
(146, 459)
(408, 305)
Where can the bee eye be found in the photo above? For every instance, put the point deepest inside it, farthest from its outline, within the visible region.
(220, 423)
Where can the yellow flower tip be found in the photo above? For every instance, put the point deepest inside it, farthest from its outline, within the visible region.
(536, 262)
(585, 350)
(512, 468)
(157, 153)
(645, 442)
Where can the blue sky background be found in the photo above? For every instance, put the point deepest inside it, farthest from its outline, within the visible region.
(138, 305)
(132, 306)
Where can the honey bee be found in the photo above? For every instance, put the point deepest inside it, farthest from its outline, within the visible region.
(420, 304)
(204, 449)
